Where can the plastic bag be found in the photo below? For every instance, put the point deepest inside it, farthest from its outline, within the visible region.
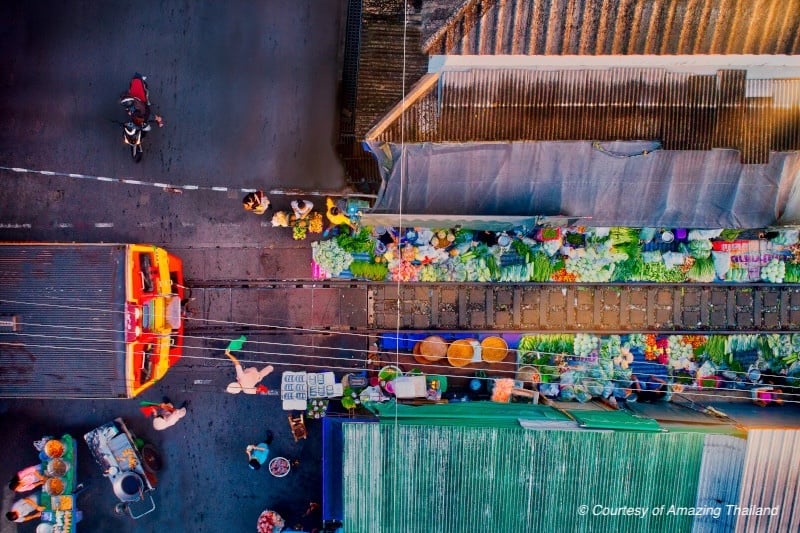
(647, 234)
(673, 259)
(568, 377)
(722, 263)
(652, 257)
(700, 234)
(593, 387)
(567, 393)
(549, 389)
(582, 395)
(786, 237)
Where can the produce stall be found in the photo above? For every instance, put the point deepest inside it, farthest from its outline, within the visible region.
(580, 367)
(561, 254)
(59, 464)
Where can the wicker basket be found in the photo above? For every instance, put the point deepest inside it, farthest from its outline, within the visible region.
(494, 349)
(529, 374)
(460, 352)
(432, 348)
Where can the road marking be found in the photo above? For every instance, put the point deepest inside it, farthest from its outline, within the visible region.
(65, 225)
(11, 225)
(171, 188)
(187, 224)
(147, 224)
(103, 224)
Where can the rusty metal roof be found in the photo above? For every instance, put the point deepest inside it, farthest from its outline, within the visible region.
(69, 300)
(681, 110)
(771, 479)
(611, 27)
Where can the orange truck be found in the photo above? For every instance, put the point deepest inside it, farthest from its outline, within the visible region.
(87, 320)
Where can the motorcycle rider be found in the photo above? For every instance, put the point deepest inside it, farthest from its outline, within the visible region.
(138, 104)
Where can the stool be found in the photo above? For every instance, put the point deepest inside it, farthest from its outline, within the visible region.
(298, 426)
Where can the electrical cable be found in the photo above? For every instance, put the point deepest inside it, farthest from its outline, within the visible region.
(306, 346)
(279, 353)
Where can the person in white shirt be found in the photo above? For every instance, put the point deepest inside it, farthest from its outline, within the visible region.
(247, 379)
(168, 416)
(25, 509)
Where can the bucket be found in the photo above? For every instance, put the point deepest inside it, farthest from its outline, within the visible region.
(128, 487)
(667, 236)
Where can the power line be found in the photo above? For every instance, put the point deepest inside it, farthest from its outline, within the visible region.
(302, 346)
(334, 359)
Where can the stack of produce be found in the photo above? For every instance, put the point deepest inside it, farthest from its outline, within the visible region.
(330, 256)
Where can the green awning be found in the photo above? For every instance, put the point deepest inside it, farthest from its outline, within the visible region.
(619, 420)
(466, 414)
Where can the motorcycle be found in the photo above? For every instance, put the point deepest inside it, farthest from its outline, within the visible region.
(136, 102)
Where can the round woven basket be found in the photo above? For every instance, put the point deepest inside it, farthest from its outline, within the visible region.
(432, 348)
(421, 359)
(529, 374)
(494, 349)
(460, 352)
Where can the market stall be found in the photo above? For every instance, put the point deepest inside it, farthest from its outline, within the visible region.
(559, 253)
(59, 464)
(580, 367)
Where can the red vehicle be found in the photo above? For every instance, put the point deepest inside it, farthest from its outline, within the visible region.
(87, 320)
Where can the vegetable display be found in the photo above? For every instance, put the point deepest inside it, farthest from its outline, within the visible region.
(569, 254)
(702, 270)
(330, 256)
(774, 271)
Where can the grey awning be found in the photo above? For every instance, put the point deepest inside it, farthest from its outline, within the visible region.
(616, 184)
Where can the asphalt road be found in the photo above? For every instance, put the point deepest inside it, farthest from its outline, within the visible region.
(248, 93)
(247, 90)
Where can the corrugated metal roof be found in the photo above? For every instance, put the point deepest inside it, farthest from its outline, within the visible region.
(719, 482)
(388, 52)
(70, 302)
(444, 479)
(681, 110)
(618, 27)
(771, 479)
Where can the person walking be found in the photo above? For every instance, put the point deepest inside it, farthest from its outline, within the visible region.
(257, 454)
(25, 509)
(256, 202)
(27, 479)
(168, 416)
(164, 414)
(247, 379)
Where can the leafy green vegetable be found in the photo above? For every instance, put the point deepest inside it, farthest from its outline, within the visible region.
(716, 349)
(522, 250)
(369, 270)
(361, 242)
(700, 249)
(792, 274)
(702, 270)
(630, 269)
(729, 235)
(542, 267)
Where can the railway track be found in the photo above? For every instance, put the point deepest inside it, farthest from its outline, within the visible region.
(596, 308)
